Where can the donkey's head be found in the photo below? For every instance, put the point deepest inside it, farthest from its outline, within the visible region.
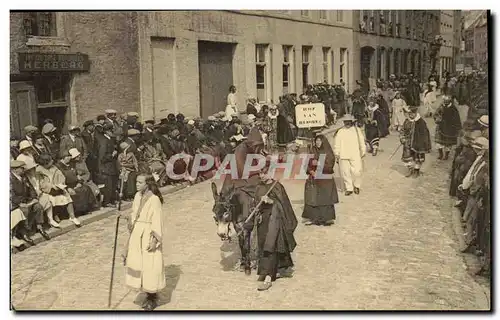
(223, 211)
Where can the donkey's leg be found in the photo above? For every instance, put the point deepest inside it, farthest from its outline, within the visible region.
(241, 241)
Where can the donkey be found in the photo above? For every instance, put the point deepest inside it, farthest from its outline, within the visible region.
(228, 209)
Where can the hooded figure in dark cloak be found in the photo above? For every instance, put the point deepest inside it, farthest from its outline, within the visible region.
(375, 127)
(276, 225)
(416, 142)
(320, 195)
(245, 187)
(285, 133)
(448, 126)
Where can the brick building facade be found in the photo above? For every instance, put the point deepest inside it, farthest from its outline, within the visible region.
(393, 42)
(40, 90)
(170, 61)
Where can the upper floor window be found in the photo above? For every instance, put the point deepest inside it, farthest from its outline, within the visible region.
(39, 24)
(304, 13)
(323, 14)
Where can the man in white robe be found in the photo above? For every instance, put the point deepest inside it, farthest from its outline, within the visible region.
(349, 149)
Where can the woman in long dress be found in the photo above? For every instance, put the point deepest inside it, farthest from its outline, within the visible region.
(144, 261)
(429, 100)
(399, 108)
(320, 194)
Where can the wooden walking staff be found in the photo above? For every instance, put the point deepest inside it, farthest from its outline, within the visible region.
(116, 242)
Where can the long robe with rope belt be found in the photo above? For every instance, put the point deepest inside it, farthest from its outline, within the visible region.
(145, 270)
(275, 230)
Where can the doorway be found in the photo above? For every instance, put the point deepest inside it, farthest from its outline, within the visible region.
(215, 74)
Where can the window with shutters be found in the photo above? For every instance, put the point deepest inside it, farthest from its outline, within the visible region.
(41, 24)
(261, 71)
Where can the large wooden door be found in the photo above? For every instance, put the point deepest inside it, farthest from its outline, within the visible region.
(216, 75)
(23, 107)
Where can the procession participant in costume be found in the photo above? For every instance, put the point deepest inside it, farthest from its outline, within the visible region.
(273, 133)
(375, 126)
(320, 195)
(384, 108)
(399, 108)
(276, 225)
(144, 260)
(349, 149)
(448, 125)
(416, 142)
(358, 104)
(429, 100)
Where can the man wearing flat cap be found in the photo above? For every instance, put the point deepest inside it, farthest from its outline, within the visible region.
(73, 140)
(29, 131)
(49, 140)
(111, 119)
(24, 197)
(107, 165)
(132, 122)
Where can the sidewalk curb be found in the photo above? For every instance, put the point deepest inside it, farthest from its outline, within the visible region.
(67, 226)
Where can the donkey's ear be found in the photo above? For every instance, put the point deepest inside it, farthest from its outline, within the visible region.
(214, 191)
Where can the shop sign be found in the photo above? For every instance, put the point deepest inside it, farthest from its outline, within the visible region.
(53, 62)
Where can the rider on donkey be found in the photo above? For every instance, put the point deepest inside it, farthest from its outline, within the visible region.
(245, 188)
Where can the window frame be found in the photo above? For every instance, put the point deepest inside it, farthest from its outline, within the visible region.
(340, 13)
(33, 23)
(325, 14)
(261, 65)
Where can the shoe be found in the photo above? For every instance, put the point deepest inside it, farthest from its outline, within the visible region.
(56, 219)
(440, 157)
(348, 193)
(75, 221)
(28, 240)
(416, 173)
(356, 190)
(374, 153)
(54, 224)
(150, 305)
(410, 172)
(264, 286)
(44, 234)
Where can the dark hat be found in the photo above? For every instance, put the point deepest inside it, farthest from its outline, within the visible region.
(101, 117)
(88, 123)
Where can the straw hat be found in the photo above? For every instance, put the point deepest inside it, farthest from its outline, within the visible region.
(110, 111)
(481, 143)
(484, 120)
(74, 153)
(17, 164)
(24, 145)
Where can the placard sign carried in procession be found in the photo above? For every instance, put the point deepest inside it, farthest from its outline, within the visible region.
(310, 115)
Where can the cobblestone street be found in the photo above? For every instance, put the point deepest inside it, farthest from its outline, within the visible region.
(392, 248)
